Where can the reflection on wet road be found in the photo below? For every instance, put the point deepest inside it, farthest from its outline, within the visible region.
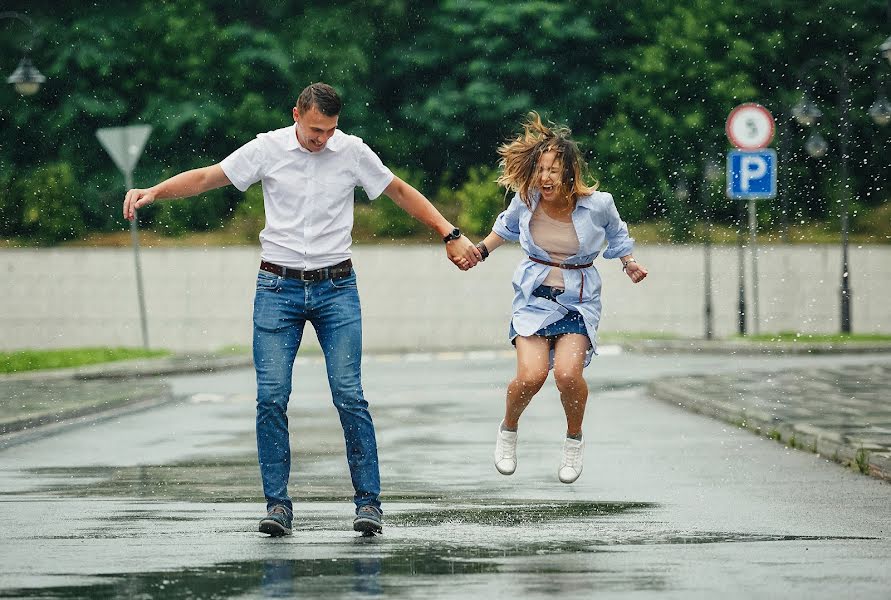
(444, 549)
(164, 504)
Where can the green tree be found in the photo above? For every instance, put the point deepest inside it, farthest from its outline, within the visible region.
(49, 198)
(480, 200)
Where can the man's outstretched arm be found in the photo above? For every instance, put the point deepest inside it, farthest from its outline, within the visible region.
(461, 251)
(188, 183)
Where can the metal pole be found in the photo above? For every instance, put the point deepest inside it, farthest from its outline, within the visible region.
(753, 234)
(783, 195)
(707, 267)
(134, 235)
(741, 270)
(844, 100)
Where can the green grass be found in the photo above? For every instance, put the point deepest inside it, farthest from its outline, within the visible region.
(33, 360)
(614, 337)
(794, 336)
(862, 461)
(233, 350)
(868, 226)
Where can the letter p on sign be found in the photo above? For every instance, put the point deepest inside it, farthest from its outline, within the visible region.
(753, 168)
(752, 174)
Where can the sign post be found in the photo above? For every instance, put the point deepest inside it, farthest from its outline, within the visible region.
(751, 174)
(125, 145)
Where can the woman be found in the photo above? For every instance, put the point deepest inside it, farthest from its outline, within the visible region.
(561, 224)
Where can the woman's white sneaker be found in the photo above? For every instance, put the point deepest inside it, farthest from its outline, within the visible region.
(571, 465)
(506, 451)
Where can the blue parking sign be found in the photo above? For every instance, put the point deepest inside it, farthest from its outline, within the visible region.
(752, 174)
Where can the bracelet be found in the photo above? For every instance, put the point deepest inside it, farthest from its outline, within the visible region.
(625, 263)
(483, 250)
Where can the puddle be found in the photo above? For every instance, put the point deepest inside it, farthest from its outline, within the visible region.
(380, 567)
(513, 514)
(388, 576)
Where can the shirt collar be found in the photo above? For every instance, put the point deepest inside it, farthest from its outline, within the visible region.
(586, 201)
(335, 142)
(583, 201)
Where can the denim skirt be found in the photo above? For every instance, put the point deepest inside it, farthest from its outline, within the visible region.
(572, 322)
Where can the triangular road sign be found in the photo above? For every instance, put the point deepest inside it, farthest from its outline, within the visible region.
(124, 144)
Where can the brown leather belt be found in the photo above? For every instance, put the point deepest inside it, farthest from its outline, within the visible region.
(566, 266)
(338, 271)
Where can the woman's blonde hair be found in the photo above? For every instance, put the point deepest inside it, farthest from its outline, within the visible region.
(520, 156)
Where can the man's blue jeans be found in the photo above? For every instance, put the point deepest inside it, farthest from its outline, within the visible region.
(281, 309)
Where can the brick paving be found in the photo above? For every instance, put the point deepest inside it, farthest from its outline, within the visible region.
(841, 413)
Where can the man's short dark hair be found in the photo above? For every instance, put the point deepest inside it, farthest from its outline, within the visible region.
(322, 96)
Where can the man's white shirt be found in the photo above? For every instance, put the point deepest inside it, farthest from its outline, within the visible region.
(308, 196)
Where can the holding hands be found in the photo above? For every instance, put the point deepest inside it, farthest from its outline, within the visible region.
(463, 253)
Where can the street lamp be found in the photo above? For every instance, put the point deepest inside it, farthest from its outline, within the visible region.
(711, 173)
(26, 78)
(806, 113)
(885, 49)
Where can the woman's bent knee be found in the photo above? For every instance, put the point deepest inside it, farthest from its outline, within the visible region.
(531, 381)
(569, 381)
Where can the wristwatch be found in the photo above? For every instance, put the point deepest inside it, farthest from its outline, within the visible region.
(454, 234)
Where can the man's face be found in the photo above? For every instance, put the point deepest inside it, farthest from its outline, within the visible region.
(314, 129)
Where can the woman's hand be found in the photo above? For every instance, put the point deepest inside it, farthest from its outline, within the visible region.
(635, 271)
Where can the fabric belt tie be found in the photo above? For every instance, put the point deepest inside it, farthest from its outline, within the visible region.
(338, 271)
(566, 266)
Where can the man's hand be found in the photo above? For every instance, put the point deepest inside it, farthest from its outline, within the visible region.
(463, 253)
(135, 199)
(183, 185)
(635, 271)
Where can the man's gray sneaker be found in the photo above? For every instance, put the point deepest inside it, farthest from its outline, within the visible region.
(277, 522)
(369, 520)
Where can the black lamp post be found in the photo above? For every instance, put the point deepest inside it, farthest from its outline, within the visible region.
(26, 78)
(807, 113)
(711, 173)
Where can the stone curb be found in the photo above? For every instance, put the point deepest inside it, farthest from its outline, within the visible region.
(822, 442)
(756, 348)
(144, 367)
(19, 430)
(28, 429)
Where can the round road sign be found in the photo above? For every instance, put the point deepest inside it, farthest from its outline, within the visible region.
(750, 126)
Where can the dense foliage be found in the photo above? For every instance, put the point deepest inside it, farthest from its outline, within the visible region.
(433, 87)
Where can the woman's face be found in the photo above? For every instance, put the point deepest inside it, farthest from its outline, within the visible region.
(550, 176)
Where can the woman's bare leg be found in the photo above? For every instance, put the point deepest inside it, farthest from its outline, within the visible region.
(532, 370)
(569, 362)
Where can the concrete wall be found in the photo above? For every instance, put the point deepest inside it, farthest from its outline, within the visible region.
(413, 299)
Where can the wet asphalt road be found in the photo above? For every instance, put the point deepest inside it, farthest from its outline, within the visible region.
(164, 503)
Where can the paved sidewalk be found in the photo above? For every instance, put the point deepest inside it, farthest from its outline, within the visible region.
(748, 347)
(35, 403)
(843, 414)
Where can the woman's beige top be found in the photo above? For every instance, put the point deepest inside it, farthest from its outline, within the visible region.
(556, 238)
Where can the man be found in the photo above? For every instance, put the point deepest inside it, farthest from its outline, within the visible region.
(308, 172)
